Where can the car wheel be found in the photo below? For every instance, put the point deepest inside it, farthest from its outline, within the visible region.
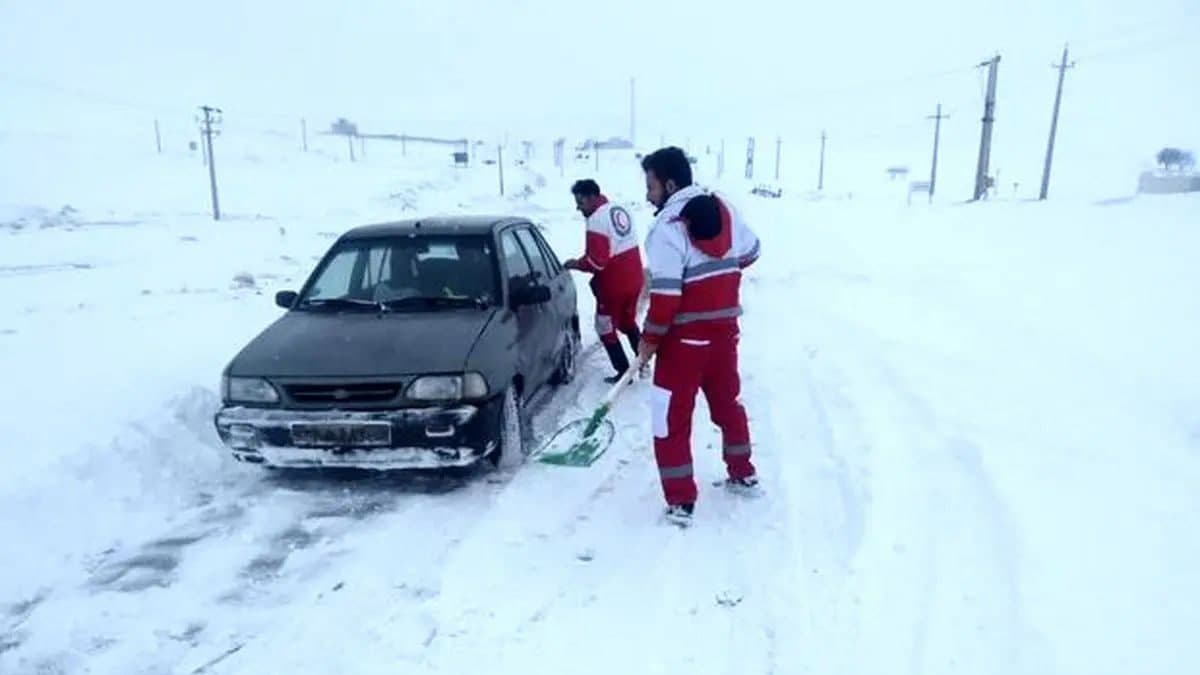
(510, 450)
(567, 360)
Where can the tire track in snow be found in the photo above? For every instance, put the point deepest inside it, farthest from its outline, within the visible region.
(437, 599)
(245, 547)
(939, 548)
(214, 579)
(378, 586)
(718, 597)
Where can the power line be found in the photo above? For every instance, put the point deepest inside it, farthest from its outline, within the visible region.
(89, 96)
(1172, 39)
(1124, 33)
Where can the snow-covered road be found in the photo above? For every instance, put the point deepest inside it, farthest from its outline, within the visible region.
(976, 427)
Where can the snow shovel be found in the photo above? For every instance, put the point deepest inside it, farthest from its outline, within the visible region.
(582, 441)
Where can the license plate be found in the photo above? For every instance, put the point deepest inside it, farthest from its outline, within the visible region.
(342, 435)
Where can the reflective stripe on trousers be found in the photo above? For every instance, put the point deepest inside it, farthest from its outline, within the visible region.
(669, 472)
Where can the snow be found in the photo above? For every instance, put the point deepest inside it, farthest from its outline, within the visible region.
(977, 425)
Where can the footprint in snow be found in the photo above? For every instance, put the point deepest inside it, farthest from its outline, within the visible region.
(266, 566)
(154, 565)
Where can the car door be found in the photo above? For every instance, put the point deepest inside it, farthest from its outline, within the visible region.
(547, 329)
(562, 288)
(519, 274)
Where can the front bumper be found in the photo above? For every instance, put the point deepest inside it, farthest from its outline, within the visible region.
(420, 438)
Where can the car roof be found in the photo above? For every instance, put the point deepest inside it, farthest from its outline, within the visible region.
(433, 225)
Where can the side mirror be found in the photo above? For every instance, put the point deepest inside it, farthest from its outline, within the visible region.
(286, 299)
(531, 295)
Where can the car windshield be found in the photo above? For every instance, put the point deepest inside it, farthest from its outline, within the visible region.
(406, 273)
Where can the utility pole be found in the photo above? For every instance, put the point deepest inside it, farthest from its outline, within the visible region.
(821, 171)
(304, 134)
(632, 117)
(989, 119)
(778, 149)
(157, 137)
(350, 144)
(750, 158)
(937, 132)
(1062, 70)
(211, 117)
(500, 163)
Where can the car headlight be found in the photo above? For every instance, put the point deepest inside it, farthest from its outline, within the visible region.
(249, 390)
(474, 386)
(448, 387)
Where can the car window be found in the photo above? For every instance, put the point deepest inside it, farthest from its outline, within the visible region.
(377, 270)
(514, 260)
(394, 268)
(548, 253)
(439, 249)
(540, 266)
(335, 279)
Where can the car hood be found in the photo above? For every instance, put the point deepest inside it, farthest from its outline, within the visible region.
(362, 344)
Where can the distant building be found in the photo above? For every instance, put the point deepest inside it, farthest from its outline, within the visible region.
(344, 127)
(1161, 182)
(614, 143)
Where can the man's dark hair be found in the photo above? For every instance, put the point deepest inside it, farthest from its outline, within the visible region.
(670, 163)
(703, 217)
(586, 188)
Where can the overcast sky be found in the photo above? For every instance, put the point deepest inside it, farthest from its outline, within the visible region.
(554, 66)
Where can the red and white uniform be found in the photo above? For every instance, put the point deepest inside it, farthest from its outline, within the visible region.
(693, 317)
(612, 255)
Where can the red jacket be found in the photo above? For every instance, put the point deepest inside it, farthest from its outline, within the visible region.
(696, 283)
(611, 252)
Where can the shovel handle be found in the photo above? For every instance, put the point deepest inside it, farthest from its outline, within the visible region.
(621, 383)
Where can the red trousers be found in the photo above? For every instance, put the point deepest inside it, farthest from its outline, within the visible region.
(685, 366)
(616, 312)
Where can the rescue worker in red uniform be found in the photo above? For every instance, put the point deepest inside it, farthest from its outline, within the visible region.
(697, 248)
(614, 260)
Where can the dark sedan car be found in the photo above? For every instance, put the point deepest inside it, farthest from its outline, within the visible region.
(414, 344)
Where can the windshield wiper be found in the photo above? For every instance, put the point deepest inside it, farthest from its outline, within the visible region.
(342, 303)
(435, 301)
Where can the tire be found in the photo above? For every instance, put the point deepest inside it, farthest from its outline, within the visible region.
(567, 360)
(510, 450)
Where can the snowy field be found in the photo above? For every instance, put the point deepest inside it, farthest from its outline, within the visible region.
(977, 427)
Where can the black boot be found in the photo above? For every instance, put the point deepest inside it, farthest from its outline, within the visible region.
(620, 362)
(635, 338)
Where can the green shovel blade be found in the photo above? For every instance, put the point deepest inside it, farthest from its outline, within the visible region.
(579, 443)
